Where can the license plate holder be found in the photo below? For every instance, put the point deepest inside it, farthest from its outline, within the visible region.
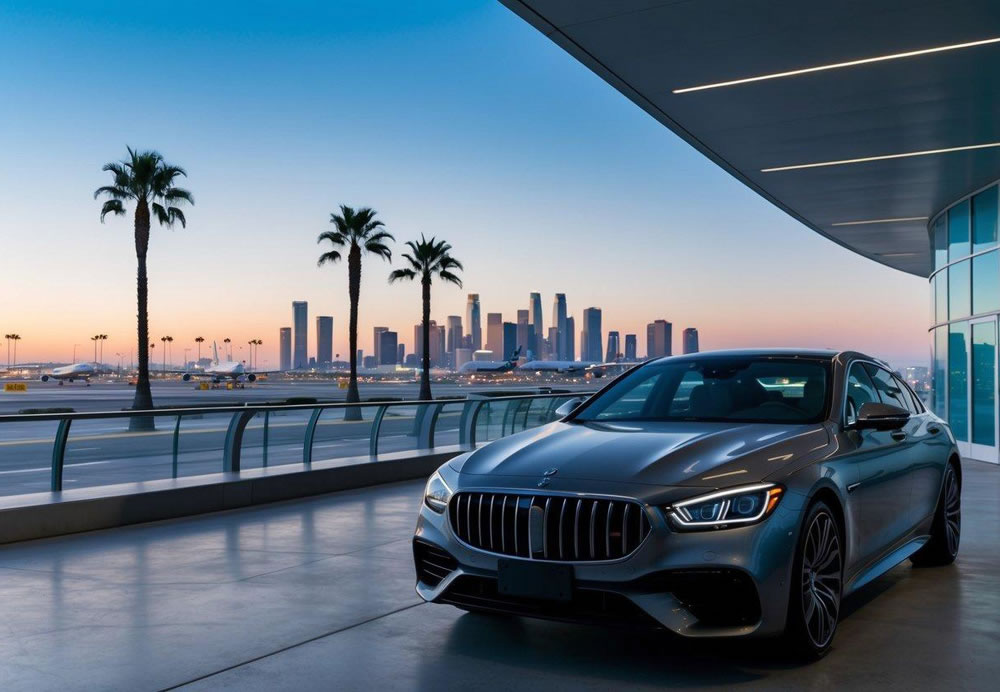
(544, 581)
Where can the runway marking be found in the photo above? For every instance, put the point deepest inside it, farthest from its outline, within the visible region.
(49, 468)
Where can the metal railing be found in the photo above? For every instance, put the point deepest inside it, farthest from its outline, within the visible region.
(388, 427)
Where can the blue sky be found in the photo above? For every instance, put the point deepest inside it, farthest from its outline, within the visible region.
(454, 119)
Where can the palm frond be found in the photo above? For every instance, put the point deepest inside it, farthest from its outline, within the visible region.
(377, 248)
(449, 277)
(178, 194)
(335, 237)
(112, 206)
(331, 256)
(402, 274)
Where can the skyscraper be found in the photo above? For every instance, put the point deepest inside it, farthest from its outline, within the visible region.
(525, 334)
(553, 352)
(509, 343)
(690, 339)
(659, 339)
(300, 332)
(570, 338)
(630, 348)
(401, 353)
(559, 323)
(614, 347)
(472, 322)
(436, 336)
(377, 342)
(285, 348)
(386, 348)
(590, 336)
(535, 307)
(324, 339)
(454, 334)
(494, 335)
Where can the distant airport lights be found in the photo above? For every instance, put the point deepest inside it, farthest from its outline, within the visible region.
(883, 157)
(901, 219)
(838, 65)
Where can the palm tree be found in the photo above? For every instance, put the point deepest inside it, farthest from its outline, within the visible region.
(146, 180)
(199, 340)
(164, 340)
(102, 338)
(95, 338)
(8, 337)
(15, 338)
(427, 258)
(359, 231)
(227, 349)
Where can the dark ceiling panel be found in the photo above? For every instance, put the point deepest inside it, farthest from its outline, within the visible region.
(949, 99)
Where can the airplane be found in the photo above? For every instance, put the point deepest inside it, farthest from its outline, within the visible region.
(576, 367)
(219, 371)
(68, 373)
(491, 367)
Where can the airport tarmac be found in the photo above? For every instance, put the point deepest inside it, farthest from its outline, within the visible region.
(103, 451)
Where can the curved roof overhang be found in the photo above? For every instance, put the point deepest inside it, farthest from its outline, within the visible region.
(895, 77)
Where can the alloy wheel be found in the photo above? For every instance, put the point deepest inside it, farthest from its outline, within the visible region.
(821, 579)
(952, 510)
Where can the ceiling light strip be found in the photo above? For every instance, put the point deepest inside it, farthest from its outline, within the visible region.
(885, 157)
(839, 65)
(901, 219)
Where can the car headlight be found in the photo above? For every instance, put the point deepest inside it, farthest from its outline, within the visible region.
(437, 493)
(726, 508)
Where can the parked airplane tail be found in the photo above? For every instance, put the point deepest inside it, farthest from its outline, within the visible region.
(215, 353)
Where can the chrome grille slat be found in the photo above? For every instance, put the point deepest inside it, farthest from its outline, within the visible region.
(568, 528)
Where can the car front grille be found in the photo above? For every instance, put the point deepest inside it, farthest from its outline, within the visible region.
(549, 527)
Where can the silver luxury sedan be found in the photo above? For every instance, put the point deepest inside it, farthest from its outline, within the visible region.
(719, 494)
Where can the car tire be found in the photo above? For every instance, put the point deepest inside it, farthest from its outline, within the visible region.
(946, 529)
(816, 585)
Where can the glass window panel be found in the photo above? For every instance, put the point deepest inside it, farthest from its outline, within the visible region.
(958, 291)
(940, 368)
(984, 358)
(941, 296)
(984, 219)
(958, 380)
(986, 283)
(958, 231)
(940, 241)
(860, 391)
(889, 391)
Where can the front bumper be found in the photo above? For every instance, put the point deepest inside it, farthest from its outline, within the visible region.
(723, 583)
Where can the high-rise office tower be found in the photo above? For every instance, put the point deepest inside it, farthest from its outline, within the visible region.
(535, 307)
(401, 353)
(525, 334)
(387, 348)
(559, 323)
(691, 340)
(324, 339)
(377, 342)
(509, 342)
(494, 335)
(590, 336)
(454, 333)
(285, 348)
(472, 321)
(630, 348)
(462, 356)
(659, 339)
(570, 338)
(436, 336)
(552, 352)
(614, 347)
(300, 334)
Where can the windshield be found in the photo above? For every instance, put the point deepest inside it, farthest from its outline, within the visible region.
(744, 390)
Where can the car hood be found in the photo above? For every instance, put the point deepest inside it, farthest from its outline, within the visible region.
(666, 454)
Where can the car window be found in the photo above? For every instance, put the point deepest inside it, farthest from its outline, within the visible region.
(860, 391)
(914, 403)
(888, 389)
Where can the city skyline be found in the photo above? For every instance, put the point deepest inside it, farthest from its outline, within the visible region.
(536, 193)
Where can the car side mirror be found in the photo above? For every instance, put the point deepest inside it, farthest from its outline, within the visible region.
(874, 416)
(568, 407)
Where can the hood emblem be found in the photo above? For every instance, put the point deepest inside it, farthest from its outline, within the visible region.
(544, 482)
(551, 472)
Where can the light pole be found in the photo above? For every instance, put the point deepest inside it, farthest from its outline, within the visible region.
(75, 346)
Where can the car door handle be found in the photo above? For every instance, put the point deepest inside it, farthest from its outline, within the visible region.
(898, 435)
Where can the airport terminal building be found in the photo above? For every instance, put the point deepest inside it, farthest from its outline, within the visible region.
(875, 124)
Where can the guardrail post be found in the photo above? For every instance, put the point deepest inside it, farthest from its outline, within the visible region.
(234, 441)
(267, 415)
(470, 418)
(307, 441)
(425, 439)
(59, 454)
(177, 435)
(376, 426)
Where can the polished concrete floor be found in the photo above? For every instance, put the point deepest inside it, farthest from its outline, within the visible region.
(318, 594)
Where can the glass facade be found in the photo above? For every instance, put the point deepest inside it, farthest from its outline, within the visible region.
(965, 309)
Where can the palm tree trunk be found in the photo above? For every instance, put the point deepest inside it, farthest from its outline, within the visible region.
(354, 292)
(425, 375)
(143, 394)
